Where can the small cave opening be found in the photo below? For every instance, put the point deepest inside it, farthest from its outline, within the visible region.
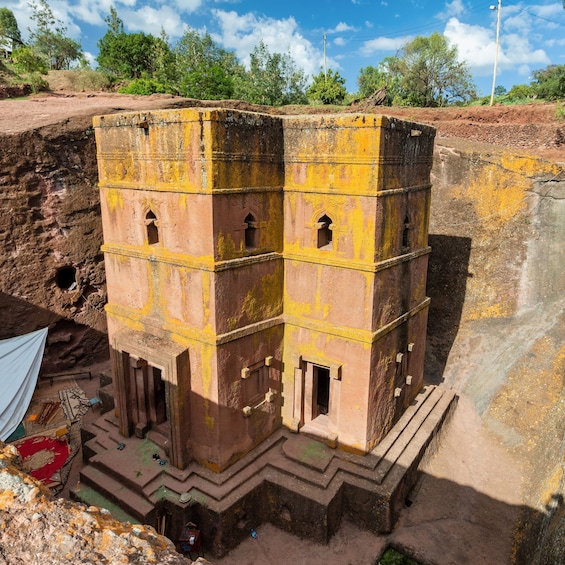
(66, 278)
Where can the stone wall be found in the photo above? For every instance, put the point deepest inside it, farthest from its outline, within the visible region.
(497, 315)
(50, 237)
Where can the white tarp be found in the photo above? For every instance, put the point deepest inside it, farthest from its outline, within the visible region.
(20, 360)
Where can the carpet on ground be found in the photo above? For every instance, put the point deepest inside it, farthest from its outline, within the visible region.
(43, 457)
(74, 403)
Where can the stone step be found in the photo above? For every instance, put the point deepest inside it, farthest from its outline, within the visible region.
(87, 495)
(407, 433)
(116, 492)
(428, 430)
(390, 439)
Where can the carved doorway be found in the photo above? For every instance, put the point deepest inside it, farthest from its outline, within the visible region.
(148, 399)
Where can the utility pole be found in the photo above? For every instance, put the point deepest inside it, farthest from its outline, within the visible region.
(325, 65)
(498, 9)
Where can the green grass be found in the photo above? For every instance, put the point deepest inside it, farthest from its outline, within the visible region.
(393, 557)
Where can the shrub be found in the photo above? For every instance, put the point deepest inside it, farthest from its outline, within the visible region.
(146, 87)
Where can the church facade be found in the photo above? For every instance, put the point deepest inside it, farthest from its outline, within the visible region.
(263, 271)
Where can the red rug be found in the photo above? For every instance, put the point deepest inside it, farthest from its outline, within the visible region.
(43, 456)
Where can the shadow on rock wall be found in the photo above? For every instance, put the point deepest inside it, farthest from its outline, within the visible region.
(448, 270)
(68, 344)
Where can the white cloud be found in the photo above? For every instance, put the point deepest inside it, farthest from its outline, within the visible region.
(151, 20)
(453, 8)
(554, 42)
(243, 32)
(339, 41)
(383, 44)
(369, 24)
(340, 28)
(476, 45)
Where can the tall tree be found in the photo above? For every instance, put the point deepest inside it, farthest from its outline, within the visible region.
(429, 73)
(127, 55)
(273, 79)
(9, 26)
(204, 70)
(549, 83)
(49, 38)
(327, 88)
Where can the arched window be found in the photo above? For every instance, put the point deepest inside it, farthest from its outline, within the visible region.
(325, 235)
(406, 233)
(152, 228)
(251, 232)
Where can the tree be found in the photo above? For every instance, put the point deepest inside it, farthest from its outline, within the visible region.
(26, 60)
(429, 73)
(549, 83)
(327, 88)
(9, 26)
(204, 70)
(272, 79)
(128, 55)
(371, 79)
(49, 39)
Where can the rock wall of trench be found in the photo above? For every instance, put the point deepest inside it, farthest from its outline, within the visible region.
(52, 271)
(497, 316)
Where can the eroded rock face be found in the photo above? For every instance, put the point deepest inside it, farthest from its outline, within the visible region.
(50, 235)
(35, 528)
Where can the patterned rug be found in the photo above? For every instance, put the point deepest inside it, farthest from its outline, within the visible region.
(74, 403)
(43, 457)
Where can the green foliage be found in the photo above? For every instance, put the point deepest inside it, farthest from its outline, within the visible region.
(131, 55)
(429, 74)
(163, 60)
(48, 38)
(327, 88)
(26, 60)
(549, 83)
(560, 112)
(205, 71)
(521, 92)
(392, 557)
(146, 87)
(371, 79)
(37, 82)
(9, 25)
(272, 79)
(499, 90)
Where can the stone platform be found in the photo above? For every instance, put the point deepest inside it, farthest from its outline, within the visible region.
(291, 480)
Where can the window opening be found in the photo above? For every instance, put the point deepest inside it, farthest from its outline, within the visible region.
(152, 229)
(322, 384)
(251, 232)
(406, 233)
(256, 385)
(325, 226)
(66, 278)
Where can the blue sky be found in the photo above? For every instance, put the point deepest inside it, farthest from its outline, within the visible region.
(358, 32)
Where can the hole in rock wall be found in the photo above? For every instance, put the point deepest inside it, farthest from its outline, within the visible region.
(66, 278)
